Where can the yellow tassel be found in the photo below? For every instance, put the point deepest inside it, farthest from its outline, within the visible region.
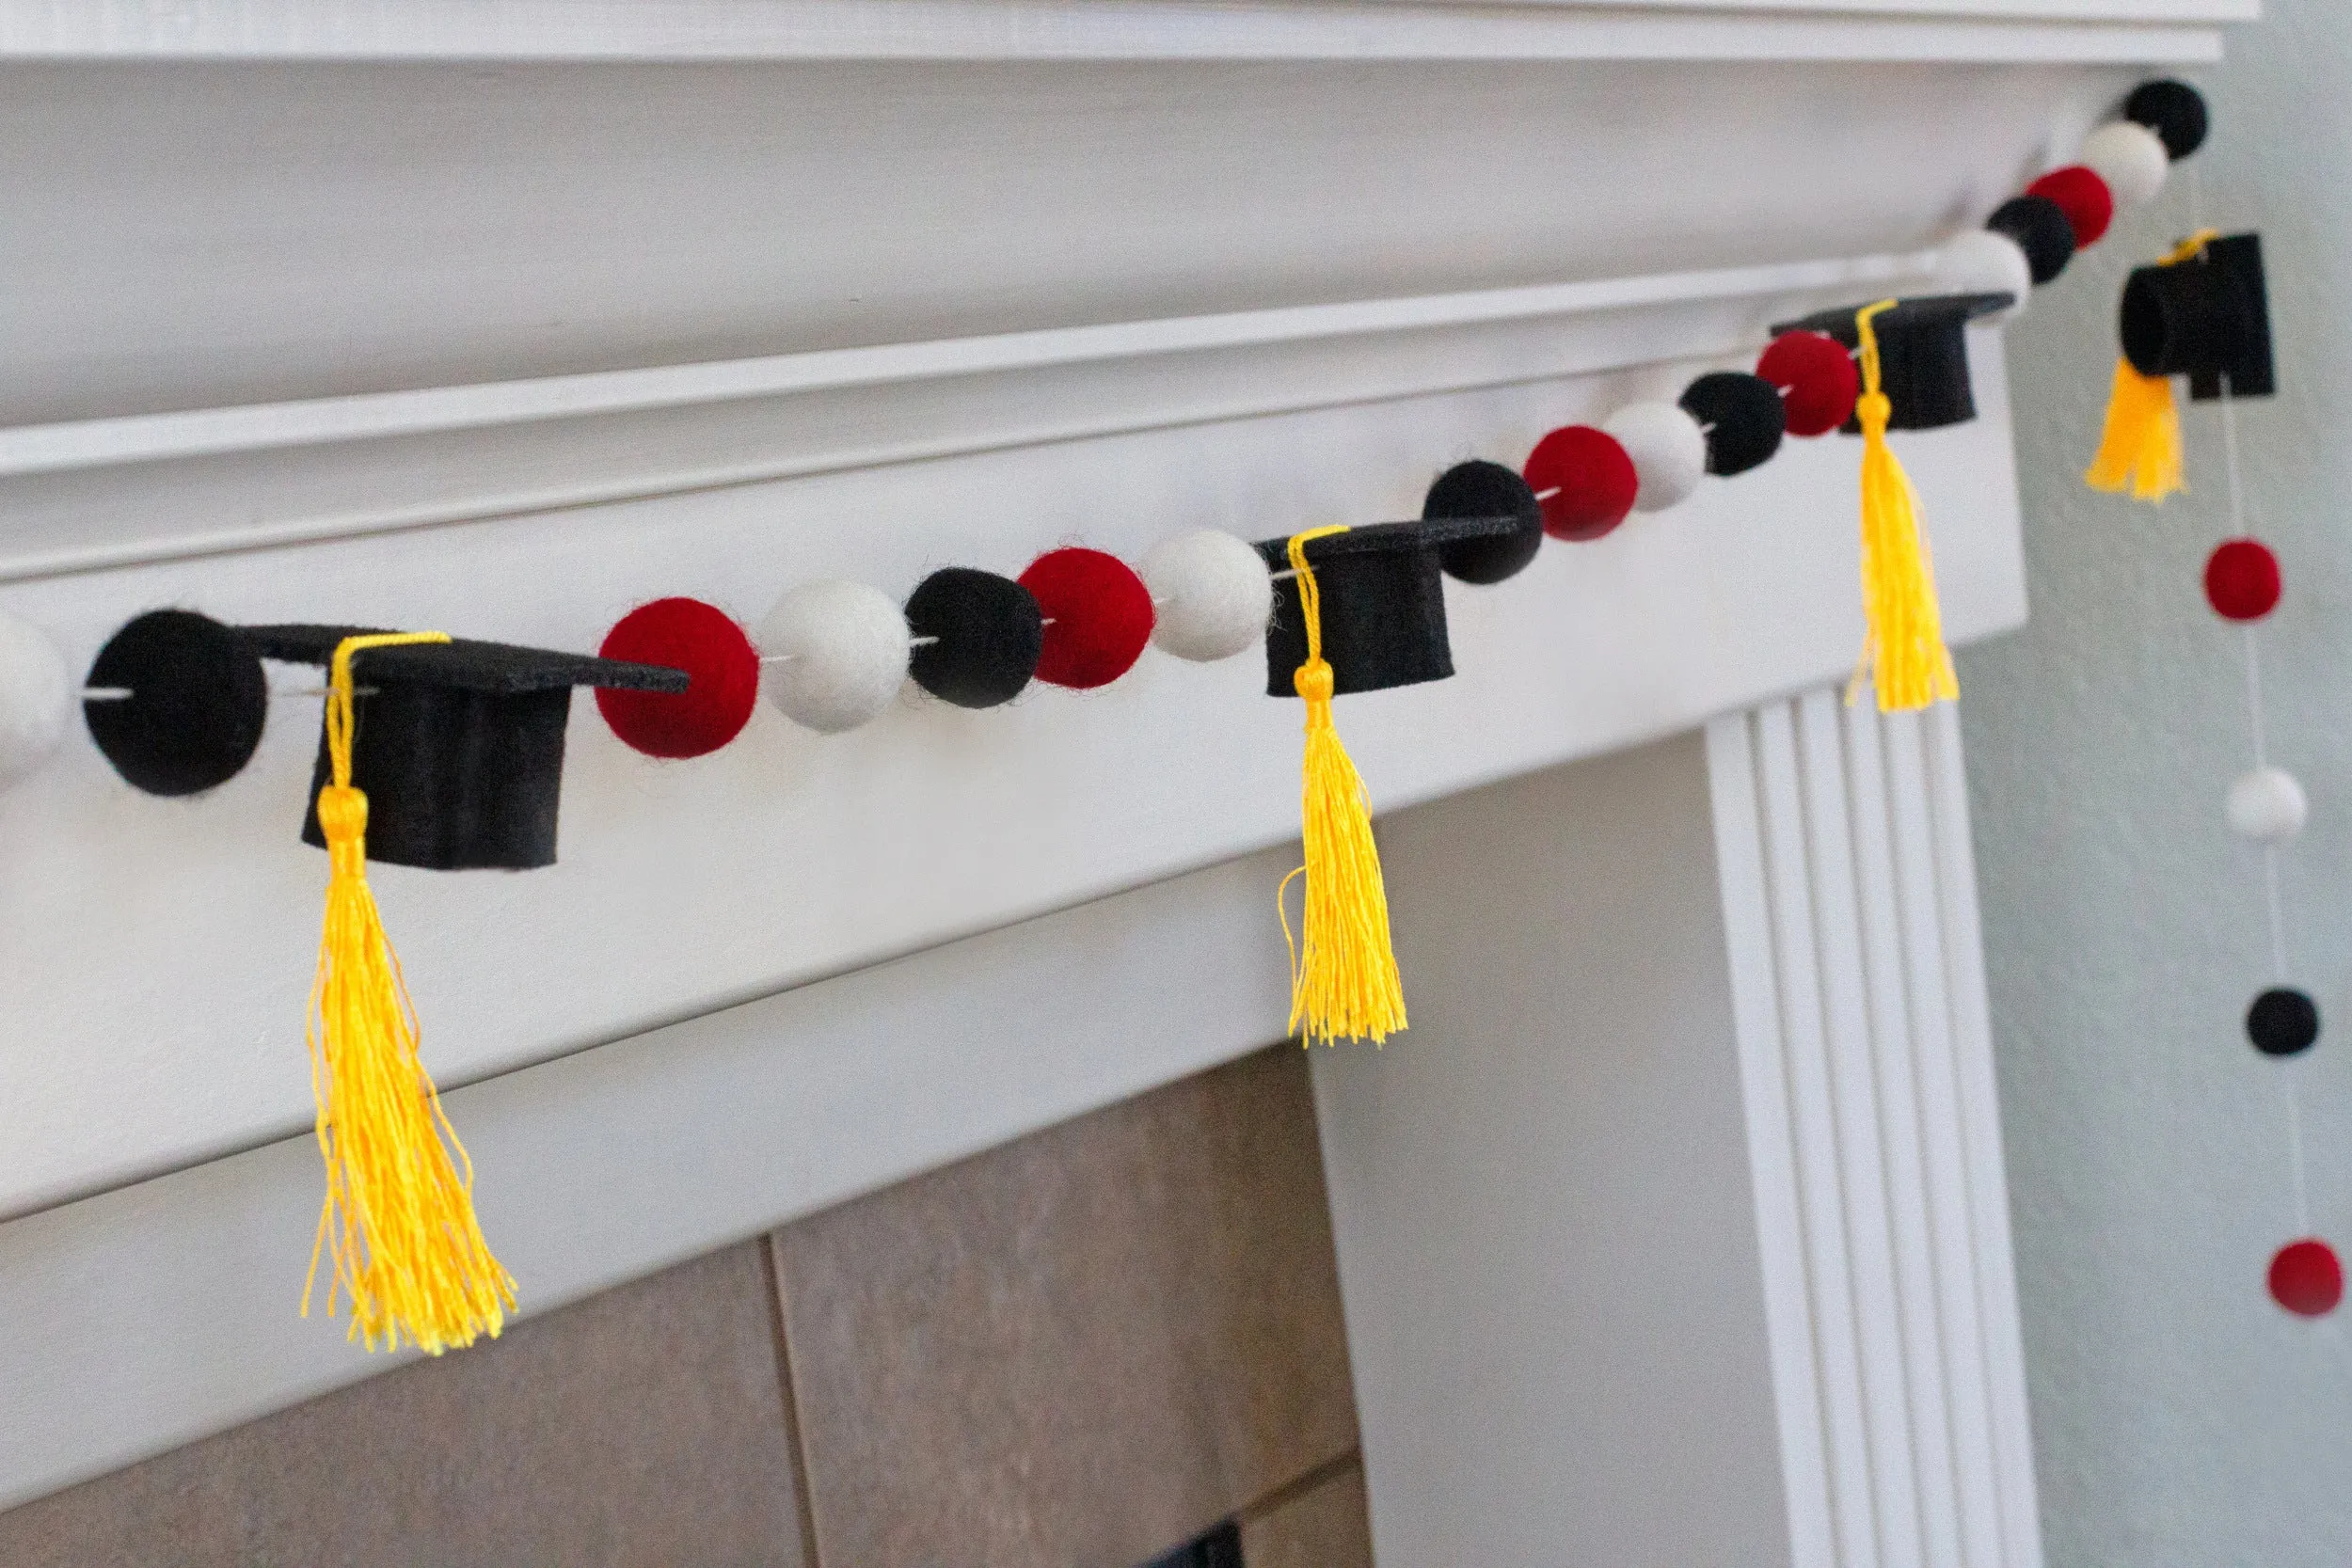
(398, 1220)
(1904, 656)
(2141, 446)
(1343, 979)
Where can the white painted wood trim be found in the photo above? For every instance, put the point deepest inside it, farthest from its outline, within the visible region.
(160, 1312)
(658, 30)
(1859, 1004)
(79, 496)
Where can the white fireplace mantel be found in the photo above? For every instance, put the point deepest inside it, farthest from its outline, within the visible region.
(500, 316)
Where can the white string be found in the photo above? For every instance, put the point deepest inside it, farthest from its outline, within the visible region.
(2257, 731)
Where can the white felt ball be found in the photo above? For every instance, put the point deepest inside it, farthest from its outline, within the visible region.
(36, 698)
(1211, 594)
(835, 653)
(1982, 262)
(1668, 449)
(2130, 158)
(2268, 805)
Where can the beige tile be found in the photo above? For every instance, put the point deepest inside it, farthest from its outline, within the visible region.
(1326, 1525)
(644, 1426)
(1084, 1348)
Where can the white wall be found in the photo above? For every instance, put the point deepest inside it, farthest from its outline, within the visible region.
(2180, 1418)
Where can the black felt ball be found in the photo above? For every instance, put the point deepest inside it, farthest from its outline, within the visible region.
(2173, 110)
(1743, 417)
(989, 634)
(2041, 230)
(2282, 1021)
(1481, 489)
(197, 704)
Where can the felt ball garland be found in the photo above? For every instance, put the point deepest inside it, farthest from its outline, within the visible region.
(977, 636)
(1483, 489)
(721, 666)
(1816, 377)
(834, 654)
(2041, 230)
(1211, 592)
(2242, 582)
(36, 698)
(2079, 192)
(1583, 480)
(1668, 450)
(177, 702)
(1097, 617)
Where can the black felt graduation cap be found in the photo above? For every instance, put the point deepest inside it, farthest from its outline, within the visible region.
(458, 746)
(2206, 316)
(1923, 354)
(1383, 596)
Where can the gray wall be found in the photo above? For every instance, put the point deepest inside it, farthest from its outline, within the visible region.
(2180, 1418)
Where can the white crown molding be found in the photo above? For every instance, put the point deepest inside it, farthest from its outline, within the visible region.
(80, 496)
(658, 30)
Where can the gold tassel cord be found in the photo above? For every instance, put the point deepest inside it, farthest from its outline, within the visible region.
(398, 1219)
(2139, 445)
(1344, 977)
(1904, 656)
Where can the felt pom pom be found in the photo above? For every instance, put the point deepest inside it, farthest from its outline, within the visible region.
(837, 655)
(197, 704)
(1818, 377)
(1481, 489)
(2041, 230)
(2083, 197)
(1213, 595)
(1741, 416)
(1984, 261)
(1668, 449)
(978, 637)
(36, 698)
(2267, 805)
(1584, 480)
(2306, 1278)
(2282, 1021)
(2130, 158)
(701, 639)
(2173, 110)
(1098, 614)
(2241, 579)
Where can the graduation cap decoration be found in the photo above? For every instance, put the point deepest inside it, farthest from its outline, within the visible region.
(1903, 656)
(2202, 312)
(458, 745)
(1381, 620)
(1344, 977)
(1922, 353)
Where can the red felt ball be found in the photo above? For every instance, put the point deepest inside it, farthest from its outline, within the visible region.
(1819, 376)
(2306, 1278)
(1583, 481)
(701, 639)
(2082, 195)
(2241, 579)
(1098, 616)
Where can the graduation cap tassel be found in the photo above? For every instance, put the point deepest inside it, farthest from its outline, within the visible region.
(1904, 656)
(2139, 447)
(1344, 978)
(398, 1220)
